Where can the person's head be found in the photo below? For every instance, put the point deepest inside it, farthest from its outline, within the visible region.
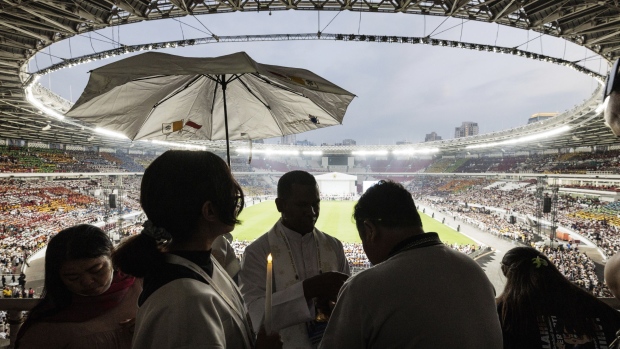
(298, 201)
(77, 261)
(181, 187)
(535, 287)
(611, 99)
(529, 269)
(188, 194)
(612, 275)
(384, 216)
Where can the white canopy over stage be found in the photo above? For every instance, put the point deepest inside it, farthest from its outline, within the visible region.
(336, 183)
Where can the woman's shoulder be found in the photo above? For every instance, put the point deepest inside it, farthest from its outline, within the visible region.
(178, 291)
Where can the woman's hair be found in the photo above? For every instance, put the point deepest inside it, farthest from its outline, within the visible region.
(174, 189)
(536, 288)
(78, 242)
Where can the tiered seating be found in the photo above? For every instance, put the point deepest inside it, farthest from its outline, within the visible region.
(127, 163)
(277, 166)
(475, 165)
(446, 165)
(379, 165)
(258, 165)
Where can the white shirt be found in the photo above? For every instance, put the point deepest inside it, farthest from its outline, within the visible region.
(289, 306)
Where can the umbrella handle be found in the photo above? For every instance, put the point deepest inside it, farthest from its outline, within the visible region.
(224, 83)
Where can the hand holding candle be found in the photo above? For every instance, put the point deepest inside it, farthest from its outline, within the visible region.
(268, 292)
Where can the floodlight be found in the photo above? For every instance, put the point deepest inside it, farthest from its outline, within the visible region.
(46, 127)
(524, 139)
(37, 104)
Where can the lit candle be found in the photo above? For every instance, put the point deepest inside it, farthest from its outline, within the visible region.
(268, 295)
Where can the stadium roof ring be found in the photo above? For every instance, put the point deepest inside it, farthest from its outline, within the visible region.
(55, 106)
(26, 28)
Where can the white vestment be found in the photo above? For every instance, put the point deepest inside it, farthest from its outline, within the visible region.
(189, 314)
(290, 310)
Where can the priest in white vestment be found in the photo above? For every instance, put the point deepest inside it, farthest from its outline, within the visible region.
(309, 266)
(420, 293)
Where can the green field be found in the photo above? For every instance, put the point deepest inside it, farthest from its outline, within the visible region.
(335, 219)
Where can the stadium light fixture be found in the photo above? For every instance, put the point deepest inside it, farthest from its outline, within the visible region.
(46, 127)
(37, 104)
(525, 139)
(369, 152)
(109, 133)
(415, 151)
(312, 152)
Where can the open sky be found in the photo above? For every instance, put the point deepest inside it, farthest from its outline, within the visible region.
(404, 91)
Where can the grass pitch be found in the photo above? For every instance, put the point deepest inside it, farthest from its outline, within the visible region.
(335, 219)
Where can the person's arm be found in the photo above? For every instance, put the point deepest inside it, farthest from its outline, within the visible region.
(289, 306)
(346, 324)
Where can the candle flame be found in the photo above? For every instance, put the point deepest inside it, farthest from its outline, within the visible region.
(269, 259)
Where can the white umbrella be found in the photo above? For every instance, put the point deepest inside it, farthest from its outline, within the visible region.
(167, 97)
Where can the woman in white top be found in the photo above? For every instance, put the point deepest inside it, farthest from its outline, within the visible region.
(188, 300)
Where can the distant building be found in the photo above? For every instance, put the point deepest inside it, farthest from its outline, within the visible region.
(349, 142)
(403, 142)
(305, 142)
(433, 136)
(467, 128)
(540, 117)
(258, 141)
(290, 139)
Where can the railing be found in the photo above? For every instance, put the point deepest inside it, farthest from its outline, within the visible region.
(15, 314)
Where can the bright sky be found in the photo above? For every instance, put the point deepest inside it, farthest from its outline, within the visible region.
(404, 91)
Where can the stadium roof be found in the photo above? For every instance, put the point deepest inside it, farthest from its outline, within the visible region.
(27, 27)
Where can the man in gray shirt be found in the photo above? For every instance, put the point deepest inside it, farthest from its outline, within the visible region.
(419, 294)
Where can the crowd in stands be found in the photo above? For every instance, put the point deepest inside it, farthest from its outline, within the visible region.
(353, 251)
(31, 210)
(485, 204)
(20, 159)
(577, 267)
(37, 160)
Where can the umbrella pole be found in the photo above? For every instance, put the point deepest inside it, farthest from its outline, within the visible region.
(224, 83)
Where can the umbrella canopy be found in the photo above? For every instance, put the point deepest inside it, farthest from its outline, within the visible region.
(167, 97)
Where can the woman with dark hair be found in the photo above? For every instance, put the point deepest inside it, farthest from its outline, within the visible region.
(85, 302)
(540, 308)
(190, 198)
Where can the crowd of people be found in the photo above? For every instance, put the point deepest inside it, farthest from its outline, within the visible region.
(488, 207)
(480, 202)
(21, 159)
